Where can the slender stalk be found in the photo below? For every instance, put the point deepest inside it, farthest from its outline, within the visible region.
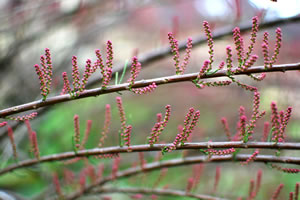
(156, 147)
(159, 192)
(138, 84)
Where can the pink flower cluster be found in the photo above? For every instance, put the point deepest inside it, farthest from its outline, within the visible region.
(144, 90)
(76, 132)
(24, 117)
(127, 135)
(134, 72)
(210, 43)
(220, 152)
(3, 124)
(251, 158)
(107, 123)
(286, 170)
(122, 114)
(45, 73)
(279, 122)
(12, 141)
(268, 62)
(79, 85)
(226, 128)
(175, 51)
(190, 122)
(159, 126)
(115, 167)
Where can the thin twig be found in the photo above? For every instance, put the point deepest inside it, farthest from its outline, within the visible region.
(159, 192)
(138, 84)
(156, 147)
(180, 162)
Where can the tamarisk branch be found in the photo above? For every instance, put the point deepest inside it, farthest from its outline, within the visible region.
(159, 147)
(138, 84)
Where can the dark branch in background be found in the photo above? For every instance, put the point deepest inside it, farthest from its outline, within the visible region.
(180, 162)
(160, 192)
(143, 83)
(158, 147)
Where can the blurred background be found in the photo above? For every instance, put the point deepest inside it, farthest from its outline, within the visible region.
(140, 27)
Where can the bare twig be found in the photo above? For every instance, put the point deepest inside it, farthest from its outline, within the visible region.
(138, 84)
(179, 162)
(156, 147)
(160, 192)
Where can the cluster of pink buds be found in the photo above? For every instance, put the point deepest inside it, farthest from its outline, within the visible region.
(210, 43)
(255, 116)
(159, 126)
(3, 124)
(79, 85)
(268, 62)
(76, 132)
(44, 73)
(57, 186)
(279, 122)
(175, 51)
(127, 135)
(24, 117)
(34, 144)
(226, 128)
(277, 192)
(148, 89)
(251, 158)
(107, 71)
(134, 72)
(190, 122)
(220, 152)
(107, 123)
(115, 167)
(12, 141)
(286, 170)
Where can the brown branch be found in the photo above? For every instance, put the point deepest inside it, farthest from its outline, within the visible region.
(180, 162)
(156, 147)
(159, 81)
(159, 192)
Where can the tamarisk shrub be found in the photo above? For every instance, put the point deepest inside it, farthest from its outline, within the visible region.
(117, 163)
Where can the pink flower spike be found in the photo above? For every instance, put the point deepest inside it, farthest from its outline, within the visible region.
(217, 178)
(87, 74)
(12, 141)
(239, 44)
(122, 114)
(109, 54)
(187, 55)
(66, 88)
(86, 134)
(277, 46)
(277, 192)
(75, 75)
(106, 126)
(3, 124)
(35, 145)
(134, 71)
(43, 88)
(175, 51)
(229, 58)
(253, 37)
(57, 186)
(24, 117)
(210, 43)
(226, 128)
(100, 62)
(76, 132)
(145, 90)
(127, 136)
